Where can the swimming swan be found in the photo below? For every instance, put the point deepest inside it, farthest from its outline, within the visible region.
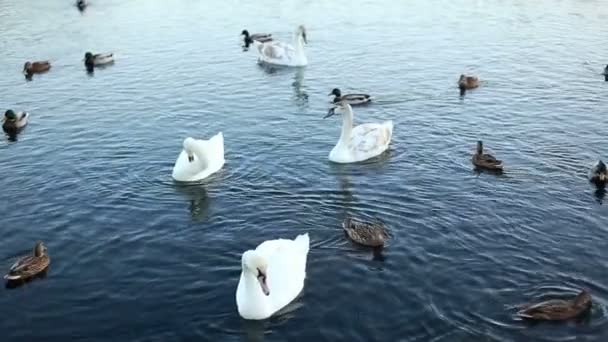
(199, 159)
(361, 142)
(272, 276)
(279, 53)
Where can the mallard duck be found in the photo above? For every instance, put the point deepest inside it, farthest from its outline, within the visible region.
(467, 82)
(485, 161)
(258, 37)
(30, 68)
(599, 173)
(14, 121)
(31, 265)
(81, 4)
(93, 60)
(351, 99)
(557, 309)
(365, 233)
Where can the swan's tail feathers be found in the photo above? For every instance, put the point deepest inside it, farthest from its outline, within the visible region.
(303, 242)
(389, 130)
(217, 144)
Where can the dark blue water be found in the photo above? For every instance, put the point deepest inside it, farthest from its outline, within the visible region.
(136, 257)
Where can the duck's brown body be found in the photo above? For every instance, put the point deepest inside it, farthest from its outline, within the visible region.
(485, 161)
(31, 265)
(467, 82)
(365, 233)
(558, 309)
(30, 68)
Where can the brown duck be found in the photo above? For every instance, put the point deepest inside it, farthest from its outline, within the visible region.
(30, 68)
(365, 233)
(484, 160)
(557, 309)
(467, 82)
(31, 265)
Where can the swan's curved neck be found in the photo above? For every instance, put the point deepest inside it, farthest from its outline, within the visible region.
(256, 300)
(347, 125)
(299, 43)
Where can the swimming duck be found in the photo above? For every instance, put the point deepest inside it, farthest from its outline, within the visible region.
(258, 37)
(362, 142)
(31, 265)
(278, 53)
(91, 60)
(557, 309)
(467, 82)
(365, 233)
(351, 99)
(485, 161)
(14, 121)
(30, 68)
(81, 4)
(599, 173)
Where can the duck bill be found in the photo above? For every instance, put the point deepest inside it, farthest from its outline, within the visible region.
(262, 281)
(331, 112)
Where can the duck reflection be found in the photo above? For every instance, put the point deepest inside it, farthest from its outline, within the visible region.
(197, 196)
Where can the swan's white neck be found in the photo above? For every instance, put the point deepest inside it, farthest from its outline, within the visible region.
(255, 299)
(347, 125)
(199, 151)
(299, 45)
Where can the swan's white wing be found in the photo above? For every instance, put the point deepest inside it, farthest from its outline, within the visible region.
(369, 140)
(276, 53)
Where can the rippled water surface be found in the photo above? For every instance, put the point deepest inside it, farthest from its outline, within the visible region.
(137, 257)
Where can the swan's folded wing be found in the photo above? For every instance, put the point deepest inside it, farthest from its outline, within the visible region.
(369, 139)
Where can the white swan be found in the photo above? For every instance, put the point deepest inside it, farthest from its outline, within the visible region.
(199, 159)
(273, 276)
(362, 142)
(279, 53)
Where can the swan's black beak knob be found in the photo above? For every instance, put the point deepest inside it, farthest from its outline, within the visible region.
(330, 112)
(190, 158)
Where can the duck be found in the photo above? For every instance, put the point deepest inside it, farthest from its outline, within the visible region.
(467, 82)
(14, 122)
(81, 4)
(599, 173)
(278, 53)
(272, 276)
(93, 60)
(371, 234)
(199, 159)
(258, 37)
(30, 68)
(557, 309)
(606, 73)
(485, 161)
(31, 265)
(362, 142)
(351, 99)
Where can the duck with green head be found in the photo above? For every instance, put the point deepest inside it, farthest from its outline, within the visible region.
(13, 122)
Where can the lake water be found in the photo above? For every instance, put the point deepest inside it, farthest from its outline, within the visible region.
(136, 257)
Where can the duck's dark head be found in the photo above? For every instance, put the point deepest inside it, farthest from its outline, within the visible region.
(583, 299)
(27, 68)
(245, 33)
(479, 147)
(10, 116)
(463, 88)
(39, 249)
(81, 4)
(336, 92)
